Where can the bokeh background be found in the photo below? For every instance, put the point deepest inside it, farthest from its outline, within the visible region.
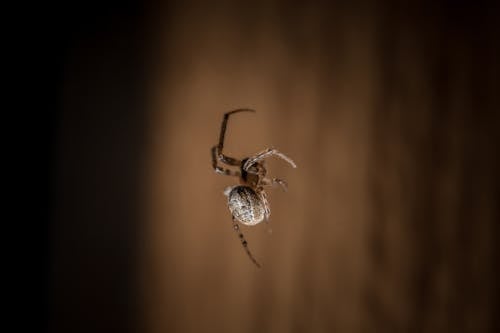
(390, 223)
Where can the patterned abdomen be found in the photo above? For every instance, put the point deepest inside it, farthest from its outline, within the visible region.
(246, 205)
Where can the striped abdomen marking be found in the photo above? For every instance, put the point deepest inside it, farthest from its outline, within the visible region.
(246, 205)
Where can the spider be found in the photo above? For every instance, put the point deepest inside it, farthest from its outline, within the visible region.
(247, 202)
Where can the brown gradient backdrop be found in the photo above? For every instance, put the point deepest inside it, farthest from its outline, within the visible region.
(390, 223)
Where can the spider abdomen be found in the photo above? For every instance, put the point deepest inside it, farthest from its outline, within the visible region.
(246, 205)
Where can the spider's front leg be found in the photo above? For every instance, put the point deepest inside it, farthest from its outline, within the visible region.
(265, 154)
(220, 170)
(216, 152)
(220, 146)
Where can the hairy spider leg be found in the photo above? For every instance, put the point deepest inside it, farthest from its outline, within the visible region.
(265, 154)
(223, 158)
(275, 181)
(221, 170)
(236, 228)
(267, 207)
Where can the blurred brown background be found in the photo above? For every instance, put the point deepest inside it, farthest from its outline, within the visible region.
(390, 223)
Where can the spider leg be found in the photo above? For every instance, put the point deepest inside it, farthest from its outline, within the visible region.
(236, 228)
(265, 154)
(221, 170)
(274, 182)
(223, 158)
(267, 207)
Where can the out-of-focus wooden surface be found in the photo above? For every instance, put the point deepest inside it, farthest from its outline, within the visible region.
(390, 223)
(391, 219)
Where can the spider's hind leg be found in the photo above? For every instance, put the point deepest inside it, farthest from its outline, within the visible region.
(236, 228)
(267, 207)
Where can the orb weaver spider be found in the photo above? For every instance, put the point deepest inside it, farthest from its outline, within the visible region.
(247, 202)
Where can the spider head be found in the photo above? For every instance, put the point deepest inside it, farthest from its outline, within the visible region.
(253, 173)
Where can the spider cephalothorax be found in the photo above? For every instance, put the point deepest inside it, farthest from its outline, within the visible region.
(247, 202)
